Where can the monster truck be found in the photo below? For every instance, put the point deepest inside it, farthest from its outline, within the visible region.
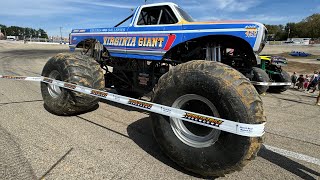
(186, 64)
(273, 66)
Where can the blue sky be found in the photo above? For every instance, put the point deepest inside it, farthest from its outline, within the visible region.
(51, 14)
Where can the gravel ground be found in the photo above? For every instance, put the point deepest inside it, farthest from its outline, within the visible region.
(116, 142)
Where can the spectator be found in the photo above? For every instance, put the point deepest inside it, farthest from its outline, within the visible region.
(319, 81)
(313, 81)
(316, 82)
(306, 82)
(300, 82)
(294, 79)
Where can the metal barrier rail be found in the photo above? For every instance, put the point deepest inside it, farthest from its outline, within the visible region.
(242, 129)
(271, 83)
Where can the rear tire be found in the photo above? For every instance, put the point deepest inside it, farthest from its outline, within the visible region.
(76, 69)
(214, 89)
(282, 77)
(259, 75)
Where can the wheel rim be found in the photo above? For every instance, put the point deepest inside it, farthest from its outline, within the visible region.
(195, 135)
(53, 90)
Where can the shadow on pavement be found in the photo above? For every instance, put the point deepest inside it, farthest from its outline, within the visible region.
(288, 164)
(127, 108)
(296, 101)
(141, 133)
(95, 107)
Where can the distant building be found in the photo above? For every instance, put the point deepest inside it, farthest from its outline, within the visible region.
(58, 39)
(13, 38)
(301, 41)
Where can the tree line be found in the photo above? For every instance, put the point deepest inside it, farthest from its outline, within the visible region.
(23, 32)
(307, 28)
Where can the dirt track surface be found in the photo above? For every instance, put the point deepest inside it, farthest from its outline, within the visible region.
(278, 49)
(116, 142)
(301, 65)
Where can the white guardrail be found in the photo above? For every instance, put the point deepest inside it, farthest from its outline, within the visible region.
(271, 83)
(242, 129)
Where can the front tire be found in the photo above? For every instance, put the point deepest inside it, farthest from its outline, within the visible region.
(214, 89)
(76, 69)
(282, 77)
(260, 75)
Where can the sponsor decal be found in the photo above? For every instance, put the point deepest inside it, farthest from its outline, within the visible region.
(47, 80)
(69, 86)
(82, 88)
(15, 77)
(244, 129)
(119, 41)
(116, 29)
(166, 110)
(207, 120)
(99, 93)
(116, 98)
(251, 31)
(155, 42)
(140, 104)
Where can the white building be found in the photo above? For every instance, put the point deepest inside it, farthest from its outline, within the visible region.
(12, 37)
(300, 41)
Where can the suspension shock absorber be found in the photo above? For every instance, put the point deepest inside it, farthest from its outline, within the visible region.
(213, 52)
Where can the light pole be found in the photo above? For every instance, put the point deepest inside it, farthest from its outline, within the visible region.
(60, 35)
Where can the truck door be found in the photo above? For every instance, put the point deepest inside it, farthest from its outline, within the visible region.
(154, 32)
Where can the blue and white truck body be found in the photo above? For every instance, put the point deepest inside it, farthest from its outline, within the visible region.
(153, 41)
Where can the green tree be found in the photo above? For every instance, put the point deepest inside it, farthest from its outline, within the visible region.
(277, 30)
(307, 28)
(42, 33)
(312, 24)
(3, 29)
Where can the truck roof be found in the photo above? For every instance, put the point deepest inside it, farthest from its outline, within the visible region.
(159, 4)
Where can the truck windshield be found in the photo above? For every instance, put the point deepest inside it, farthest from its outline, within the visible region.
(185, 15)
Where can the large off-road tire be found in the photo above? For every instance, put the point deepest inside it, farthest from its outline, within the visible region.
(214, 89)
(260, 75)
(282, 77)
(77, 69)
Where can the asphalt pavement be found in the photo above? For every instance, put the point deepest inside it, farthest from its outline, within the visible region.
(116, 142)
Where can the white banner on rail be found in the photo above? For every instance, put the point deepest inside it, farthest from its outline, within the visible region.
(249, 130)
